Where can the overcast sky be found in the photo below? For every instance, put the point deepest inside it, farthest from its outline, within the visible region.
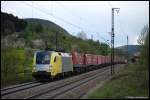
(92, 17)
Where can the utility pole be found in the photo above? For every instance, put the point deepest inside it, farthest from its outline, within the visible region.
(91, 37)
(112, 42)
(56, 41)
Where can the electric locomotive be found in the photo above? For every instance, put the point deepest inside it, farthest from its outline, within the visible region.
(49, 64)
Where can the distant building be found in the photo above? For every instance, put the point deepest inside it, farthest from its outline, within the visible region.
(137, 54)
(135, 57)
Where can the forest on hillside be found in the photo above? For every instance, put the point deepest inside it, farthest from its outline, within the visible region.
(20, 38)
(39, 34)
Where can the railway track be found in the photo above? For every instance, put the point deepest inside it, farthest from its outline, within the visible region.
(20, 87)
(15, 86)
(52, 89)
(53, 93)
(30, 91)
(80, 90)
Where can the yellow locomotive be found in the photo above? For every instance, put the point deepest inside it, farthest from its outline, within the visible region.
(51, 64)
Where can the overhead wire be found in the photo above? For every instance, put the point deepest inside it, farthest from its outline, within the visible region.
(75, 15)
(67, 10)
(56, 17)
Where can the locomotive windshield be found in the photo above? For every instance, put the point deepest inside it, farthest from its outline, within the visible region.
(43, 58)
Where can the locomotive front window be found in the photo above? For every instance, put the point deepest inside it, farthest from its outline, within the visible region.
(43, 58)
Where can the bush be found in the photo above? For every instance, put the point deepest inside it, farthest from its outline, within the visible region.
(12, 61)
(16, 65)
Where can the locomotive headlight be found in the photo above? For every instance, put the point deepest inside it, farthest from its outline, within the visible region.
(34, 69)
(50, 67)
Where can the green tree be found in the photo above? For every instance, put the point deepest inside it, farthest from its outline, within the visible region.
(38, 28)
(143, 35)
(8, 28)
(104, 48)
(11, 24)
(143, 40)
(12, 61)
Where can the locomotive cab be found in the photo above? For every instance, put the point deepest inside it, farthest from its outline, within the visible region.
(46, 64)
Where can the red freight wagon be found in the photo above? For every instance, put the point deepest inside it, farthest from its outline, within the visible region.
(116, 59)
(88, 59)
(99, 59)
(104, 59)
(109, 59)
(95, 60)
(78, 59)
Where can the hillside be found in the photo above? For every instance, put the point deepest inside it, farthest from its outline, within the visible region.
(65, 40)
(48, 24)
(11, 24)
(131, 49)
(41, 34)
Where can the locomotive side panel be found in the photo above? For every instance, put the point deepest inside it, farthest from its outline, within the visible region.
(67, 64)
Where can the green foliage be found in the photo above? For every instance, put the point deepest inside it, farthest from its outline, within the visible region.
(29, 53)
(131, 81)
(16, 65)
(143, 40)
(46, 32)
(8, 28)
(104, 48)
(143, 35)
(12, 61)
(26, 34)
(65, 41)
(10, 24)
(38, 28)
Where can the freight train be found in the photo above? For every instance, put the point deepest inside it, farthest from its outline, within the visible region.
(50, 64)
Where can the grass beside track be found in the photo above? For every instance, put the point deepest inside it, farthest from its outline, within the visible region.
(132, 81)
